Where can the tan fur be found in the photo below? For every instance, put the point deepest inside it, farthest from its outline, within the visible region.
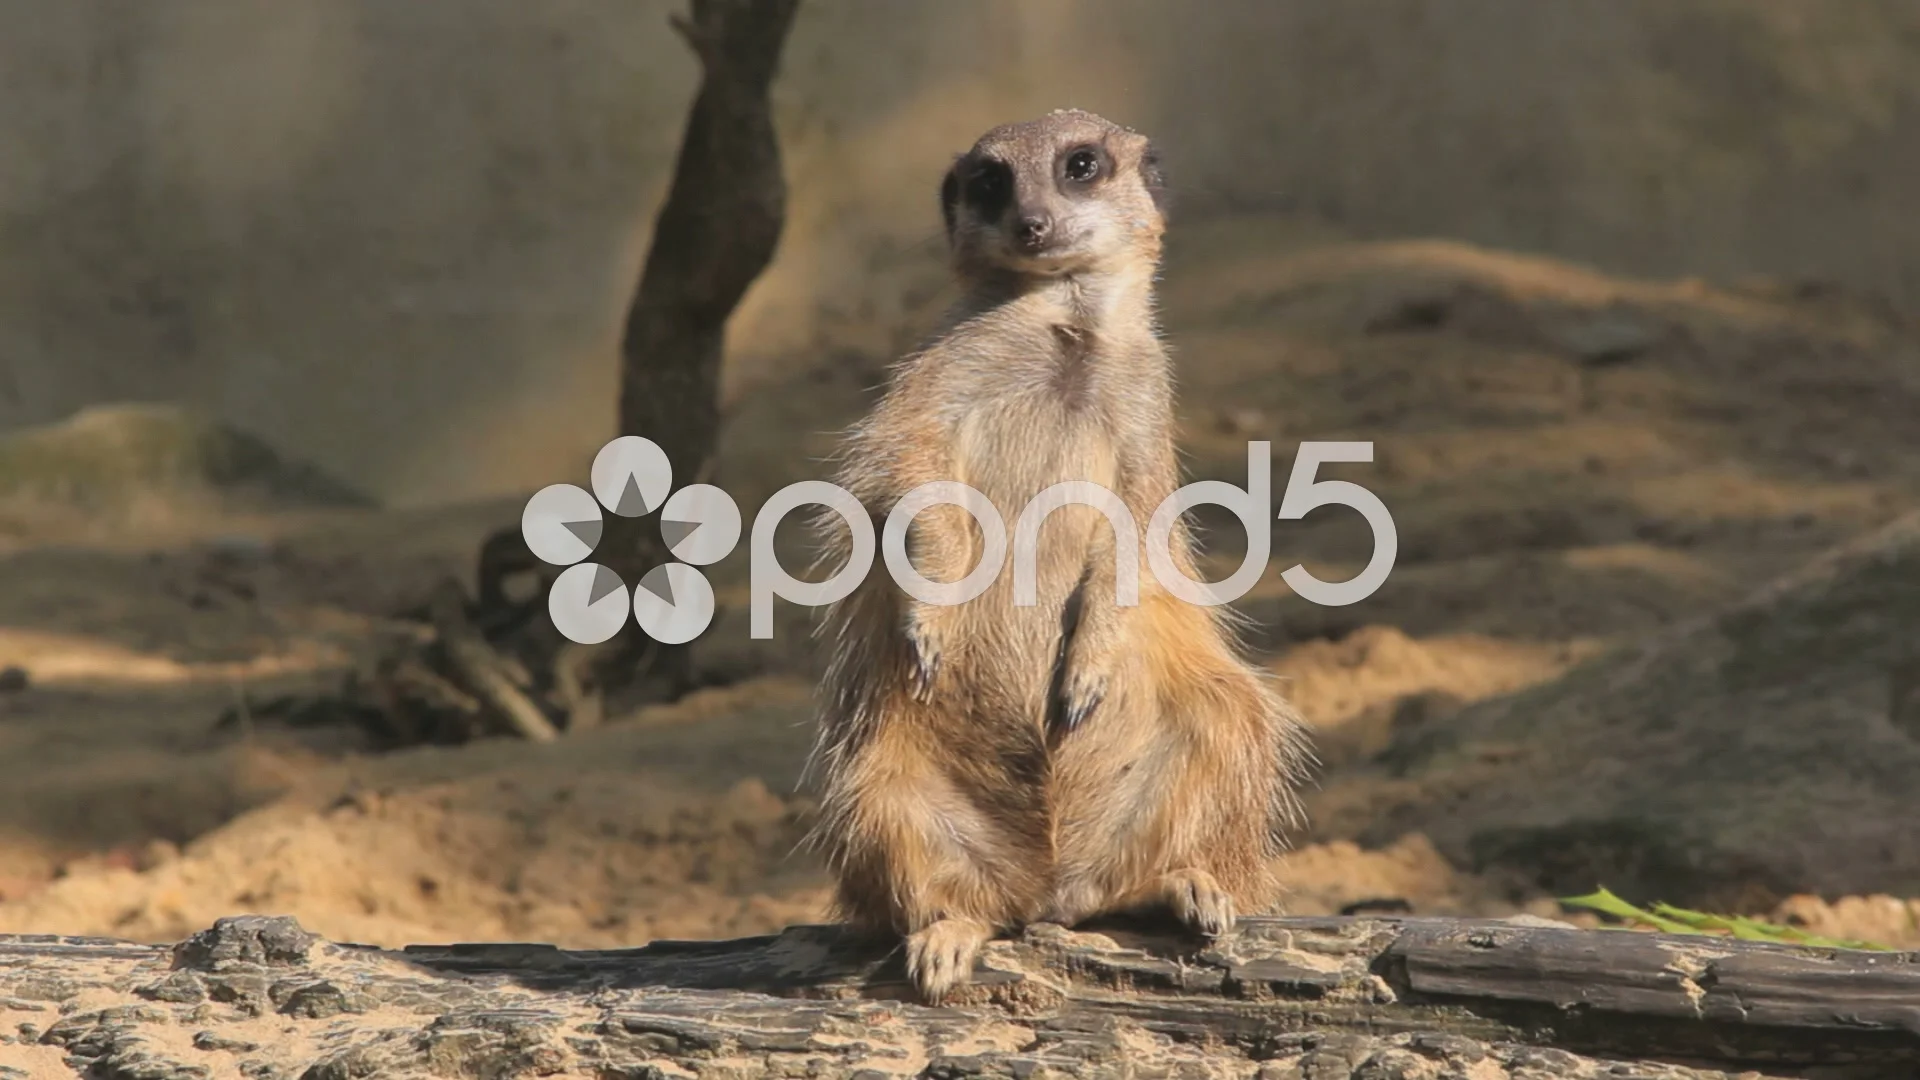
(959, 796)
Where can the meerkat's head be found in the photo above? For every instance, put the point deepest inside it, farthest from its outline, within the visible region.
(1067, 193)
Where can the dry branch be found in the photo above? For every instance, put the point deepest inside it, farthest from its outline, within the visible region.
(498, 680)
(1289, 997)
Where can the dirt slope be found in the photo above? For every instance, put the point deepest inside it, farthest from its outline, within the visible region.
(1739, 757)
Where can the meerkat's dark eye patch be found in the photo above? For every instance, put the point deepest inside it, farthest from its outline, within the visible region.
(1152, 178)
(950, 197)
(989, 187)
(1083, 164)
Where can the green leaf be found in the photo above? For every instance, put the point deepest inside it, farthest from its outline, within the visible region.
(1604, 902)
(1669, 919)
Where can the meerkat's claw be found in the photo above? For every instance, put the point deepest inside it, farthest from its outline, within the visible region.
(1078, 711)
(1082, 696)
(1199, 901)
(941, 956)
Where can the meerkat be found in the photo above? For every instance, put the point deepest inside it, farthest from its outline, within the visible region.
(984, 765)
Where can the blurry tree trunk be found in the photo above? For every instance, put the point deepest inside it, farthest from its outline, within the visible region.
(715, 234)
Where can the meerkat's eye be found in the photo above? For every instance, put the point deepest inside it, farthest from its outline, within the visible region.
(1083, 165)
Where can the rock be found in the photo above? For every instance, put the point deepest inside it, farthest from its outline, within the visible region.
(1411, 314)
(246, 940)
(1606, 337)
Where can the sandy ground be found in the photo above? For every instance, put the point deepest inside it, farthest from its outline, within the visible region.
(1573, 460)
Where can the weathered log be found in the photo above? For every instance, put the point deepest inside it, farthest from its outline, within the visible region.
(1280, 997)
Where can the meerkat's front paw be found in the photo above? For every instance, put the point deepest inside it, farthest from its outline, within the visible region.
(1084, 677)
(941, 956)
(1199, 901)
(923, 645)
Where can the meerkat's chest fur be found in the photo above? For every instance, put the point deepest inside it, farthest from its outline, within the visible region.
(1043, 393)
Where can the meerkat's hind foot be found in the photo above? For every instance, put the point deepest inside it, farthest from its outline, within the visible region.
(940, 957)
(1198, 901)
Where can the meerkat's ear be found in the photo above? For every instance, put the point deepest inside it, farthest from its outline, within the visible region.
(1152, 178)
(950, 195)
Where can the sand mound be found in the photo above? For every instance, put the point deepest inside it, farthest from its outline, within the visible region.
(132, 461)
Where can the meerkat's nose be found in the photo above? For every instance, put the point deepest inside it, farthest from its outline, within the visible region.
(1032, 230)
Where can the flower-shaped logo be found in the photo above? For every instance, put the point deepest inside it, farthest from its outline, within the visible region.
(631, 477)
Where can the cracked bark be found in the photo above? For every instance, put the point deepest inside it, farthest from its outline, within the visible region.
(1280, 997)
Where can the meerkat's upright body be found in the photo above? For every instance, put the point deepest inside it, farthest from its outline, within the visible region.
(987, 764)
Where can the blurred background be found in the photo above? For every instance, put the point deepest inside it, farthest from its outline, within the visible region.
(300, 299)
